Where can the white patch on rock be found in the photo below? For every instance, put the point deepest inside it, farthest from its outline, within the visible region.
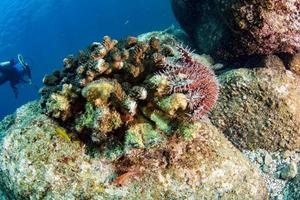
(282, 90)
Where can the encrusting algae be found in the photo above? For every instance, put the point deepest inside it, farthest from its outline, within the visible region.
(129, 91)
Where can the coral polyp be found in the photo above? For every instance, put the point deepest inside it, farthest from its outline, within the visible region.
(189, 76)
(130, 91)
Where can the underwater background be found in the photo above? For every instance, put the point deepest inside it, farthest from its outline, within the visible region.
(200, 101)
(45, 31)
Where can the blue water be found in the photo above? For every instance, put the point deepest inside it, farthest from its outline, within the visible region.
(48, 30)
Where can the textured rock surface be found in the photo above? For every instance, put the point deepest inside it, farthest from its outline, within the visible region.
(292, 190)
(36, 162)
(271, 165)
(202, 23)
(241, 27)
(273, 62)
(294, 64)
(169, 36)
(263, 27)
(259, 108)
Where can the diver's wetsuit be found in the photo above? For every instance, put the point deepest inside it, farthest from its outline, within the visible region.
(13, 72)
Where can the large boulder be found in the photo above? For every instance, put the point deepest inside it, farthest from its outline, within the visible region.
(259, 108)
(202, 23)
(38, 160)
(241, 27)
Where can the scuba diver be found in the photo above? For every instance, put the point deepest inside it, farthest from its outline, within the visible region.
(15, 72)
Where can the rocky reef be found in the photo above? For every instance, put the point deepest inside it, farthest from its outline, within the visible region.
(139, 119)
(38, 163)
(130, 128)
(233, 28)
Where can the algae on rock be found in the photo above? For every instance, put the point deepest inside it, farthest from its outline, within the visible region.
(37, 163)
(259, 108)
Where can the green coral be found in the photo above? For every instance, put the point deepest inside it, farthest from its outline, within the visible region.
(142, 135)
(159, 83)
(86, 119)
(100, 119)
(161, 120)
(172, 103)
(114, 151)
(189, 130)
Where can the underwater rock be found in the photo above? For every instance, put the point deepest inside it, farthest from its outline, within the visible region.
(271, 165)
(38, 163)
(231, 28)
(201, 21)
(292, 190)
(259, 108)
(170, 36)
(294, 64)
(273, 62)
(266, 27)
(289, 171)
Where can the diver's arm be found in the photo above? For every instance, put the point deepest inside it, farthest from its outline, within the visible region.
(5, 66)
(14, 88)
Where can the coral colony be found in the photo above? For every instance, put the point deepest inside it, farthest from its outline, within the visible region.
(132, 91)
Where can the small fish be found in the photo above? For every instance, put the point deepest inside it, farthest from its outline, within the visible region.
(126, 22)
(62, 133)
(121, 179)
(127, 118)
